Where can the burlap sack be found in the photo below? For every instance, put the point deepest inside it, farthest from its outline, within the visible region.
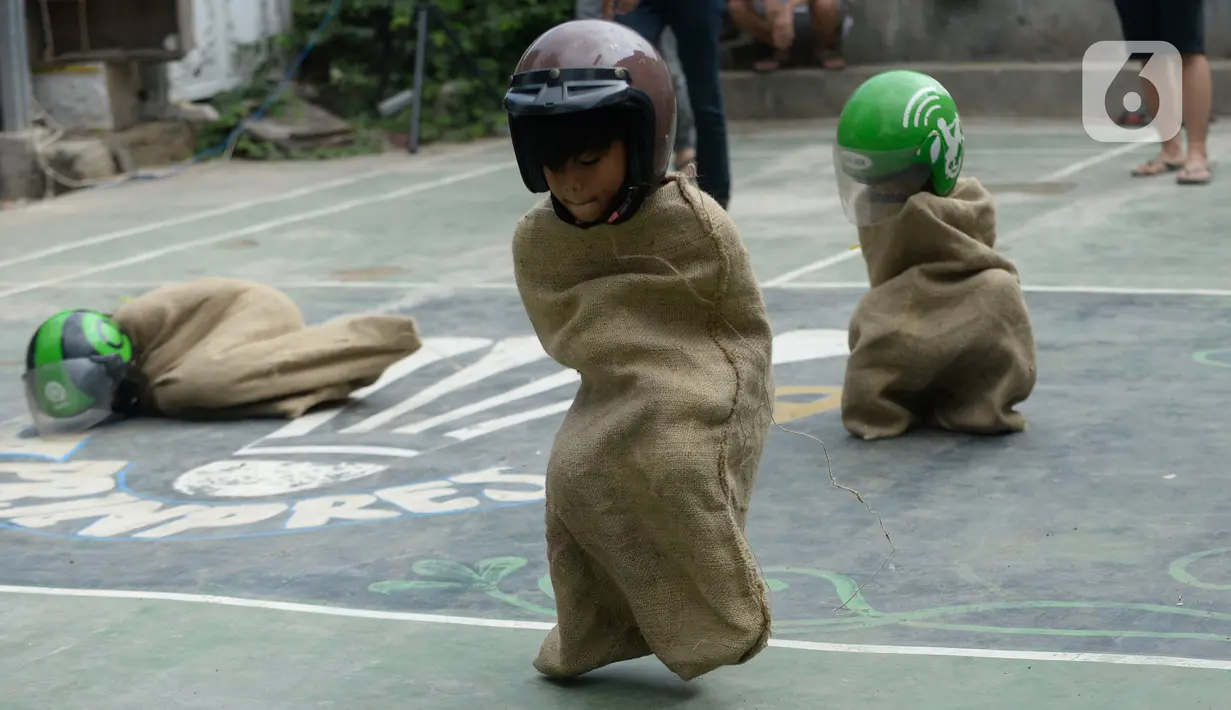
(943, 337)
(229, 348)
(650, 476)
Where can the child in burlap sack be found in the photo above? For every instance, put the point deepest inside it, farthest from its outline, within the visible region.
(223, 348)
(638, 281)
(213, 348)
(943, 337)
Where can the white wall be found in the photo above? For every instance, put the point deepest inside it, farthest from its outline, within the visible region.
(221, 27)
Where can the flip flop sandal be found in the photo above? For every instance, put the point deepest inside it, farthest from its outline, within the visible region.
(774, 62)
(1184, 179)
(1151, 170)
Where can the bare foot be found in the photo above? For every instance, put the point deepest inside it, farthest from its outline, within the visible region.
(684, 158)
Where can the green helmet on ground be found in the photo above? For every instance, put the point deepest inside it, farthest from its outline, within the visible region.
(75, 364)
(899, 134)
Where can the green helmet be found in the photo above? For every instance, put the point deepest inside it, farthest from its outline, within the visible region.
(75, 364)
(899, 134)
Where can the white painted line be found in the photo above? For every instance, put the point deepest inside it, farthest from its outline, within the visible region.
(431, 351)
(1066, 171)
(269, 605)
(276, 606)
(505, 355)
(543, 384)
(338, 450)
(825, 263)
(491, 425)
(261, 227)
(819, 285)
(791, 286)
(207, 214)
(1043, 656)
(1029, 288)
(1110, 154)
(357, 285)
(1127, 291)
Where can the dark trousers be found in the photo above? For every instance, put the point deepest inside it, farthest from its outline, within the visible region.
(697, 25)
(1179, 22)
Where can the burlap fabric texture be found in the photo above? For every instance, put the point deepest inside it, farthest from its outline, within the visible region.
(232, 348)
(651, 473)
(943, 338)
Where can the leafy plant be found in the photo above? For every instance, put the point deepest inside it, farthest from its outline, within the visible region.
(366, 54)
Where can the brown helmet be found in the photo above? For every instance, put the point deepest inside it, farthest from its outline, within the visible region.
(588, 64)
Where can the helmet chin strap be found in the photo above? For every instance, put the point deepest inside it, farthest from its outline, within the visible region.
(621, 208)
(625, 203)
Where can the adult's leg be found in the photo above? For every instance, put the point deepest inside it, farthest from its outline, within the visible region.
(647, 19)
(685, 133)
(1139, 21)
(698, 25)
(750, 21)
(749, 17)
(827, 25)
(1184, 26)
(1198, 100)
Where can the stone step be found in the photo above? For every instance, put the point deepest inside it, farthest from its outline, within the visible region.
(1001, 89)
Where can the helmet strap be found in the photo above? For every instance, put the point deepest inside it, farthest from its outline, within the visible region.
(624, 205)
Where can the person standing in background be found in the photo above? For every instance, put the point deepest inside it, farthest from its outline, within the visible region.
(777, 24)
(685, 129)
(697, 25)
(1182, 24)
(685, 126)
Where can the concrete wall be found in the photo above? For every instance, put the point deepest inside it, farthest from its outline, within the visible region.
(1009, 89)
(221, 28)
(888, 31)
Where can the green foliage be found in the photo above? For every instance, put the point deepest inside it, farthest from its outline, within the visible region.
(367, 55)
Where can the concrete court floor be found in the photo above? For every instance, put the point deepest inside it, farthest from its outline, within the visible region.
(1083, 564)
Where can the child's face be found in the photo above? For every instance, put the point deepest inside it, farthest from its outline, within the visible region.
(587, 184)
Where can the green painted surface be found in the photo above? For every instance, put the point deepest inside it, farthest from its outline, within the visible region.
(122, 654)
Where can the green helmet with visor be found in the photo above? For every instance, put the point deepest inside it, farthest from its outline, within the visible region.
(75, 365)
(899, 134)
